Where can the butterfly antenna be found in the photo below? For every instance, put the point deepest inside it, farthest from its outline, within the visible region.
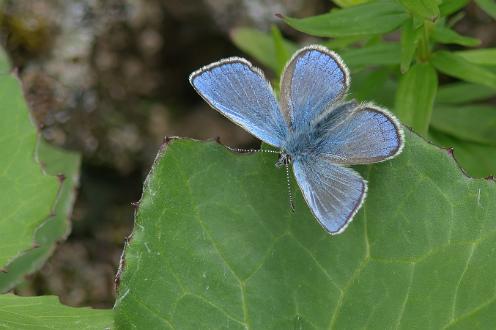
(253, 150)
(291, 202)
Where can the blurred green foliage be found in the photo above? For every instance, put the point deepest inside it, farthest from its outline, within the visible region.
(37, 193)
(27, 195)
(34, 313)
(406, 56)
(57, 226)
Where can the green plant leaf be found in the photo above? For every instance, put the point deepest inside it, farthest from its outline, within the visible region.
(476, 123)
(378, 54)
(215, 245)
(28, 195)
(424, 48)
(478, 160)
(456, 66)
(366, 19)
(48, 313)
(489, 6)
(56, 227)
(342, 42)
(374, 85)
(415, 97)
(409, 41)
(349, 3)
(446, 35)
(282, 54)
(448, 7)
(260, 45)
(427, 9)
(483, 56)
(462, 92)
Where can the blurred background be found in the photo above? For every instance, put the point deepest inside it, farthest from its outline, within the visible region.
(109, 79)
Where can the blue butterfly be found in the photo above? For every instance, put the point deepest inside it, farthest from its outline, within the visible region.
(313, 126)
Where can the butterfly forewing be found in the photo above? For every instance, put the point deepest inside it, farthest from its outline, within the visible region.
(313, 80)
(240, 92)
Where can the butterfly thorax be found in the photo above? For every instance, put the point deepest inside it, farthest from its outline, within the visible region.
(300, 144)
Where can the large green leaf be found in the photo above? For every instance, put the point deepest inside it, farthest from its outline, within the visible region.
(27, 195)
(415, 97)
(366, 19)
(455, 65)
(55, 228)
(476, 123)
(216, 246)
(23, 313)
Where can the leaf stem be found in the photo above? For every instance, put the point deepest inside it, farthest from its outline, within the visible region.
(424, 52)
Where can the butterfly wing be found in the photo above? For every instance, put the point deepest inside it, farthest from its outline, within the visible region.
(240, 92)
(314, 79)
(333, 193)
(367, 134)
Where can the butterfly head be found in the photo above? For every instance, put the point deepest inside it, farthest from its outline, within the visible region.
(284, 159)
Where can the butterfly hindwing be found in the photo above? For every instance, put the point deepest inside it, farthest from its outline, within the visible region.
(314, 79)
(369, 134)
(241, 93)
(333, 193)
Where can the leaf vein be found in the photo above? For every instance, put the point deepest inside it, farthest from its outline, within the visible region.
(455, 295)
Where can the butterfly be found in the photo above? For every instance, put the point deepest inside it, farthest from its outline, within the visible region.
(313, 126)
